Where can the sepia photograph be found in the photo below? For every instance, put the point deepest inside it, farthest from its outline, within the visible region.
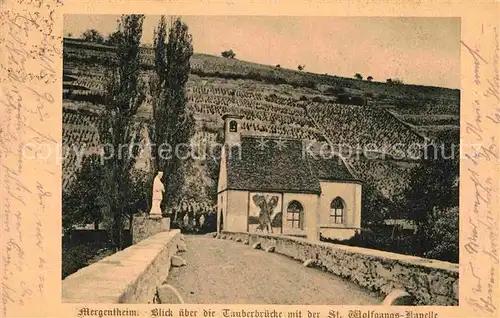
(283, 160)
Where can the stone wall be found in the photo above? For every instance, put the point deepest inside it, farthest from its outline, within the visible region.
(430, 282)
(129, 276)
(144, 227)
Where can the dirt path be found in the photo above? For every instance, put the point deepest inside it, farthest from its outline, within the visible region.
(227, 272)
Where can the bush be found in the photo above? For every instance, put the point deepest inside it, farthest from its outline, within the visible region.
(395, 81)
(228, 54)
(92, 35)
(85, 202)
(79, 256)
(379, 238)
(442, 235)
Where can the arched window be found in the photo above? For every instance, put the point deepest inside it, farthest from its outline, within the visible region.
(294, 214)
(337, 211)
(233, 126)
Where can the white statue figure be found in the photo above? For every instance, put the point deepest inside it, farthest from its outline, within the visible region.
(158, 190)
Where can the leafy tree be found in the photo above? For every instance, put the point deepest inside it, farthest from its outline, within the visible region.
(369, 78)
(114, 38)
(278, 66)
(84, 202)
(374, 207)
(433, 185)
(125, 93)
(442, 234)
(138, 196)
(394, 81)
(174, 125)
(358, 76)
(301, 67)
(228, 54)
(92, 35)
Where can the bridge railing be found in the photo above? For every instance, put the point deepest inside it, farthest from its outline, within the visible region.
(429, 282)
(129, 276)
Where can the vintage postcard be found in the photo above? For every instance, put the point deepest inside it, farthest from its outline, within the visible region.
(236, 159)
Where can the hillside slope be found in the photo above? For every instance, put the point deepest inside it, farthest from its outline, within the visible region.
(273, 101)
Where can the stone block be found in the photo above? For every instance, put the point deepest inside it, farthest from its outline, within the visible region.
(441, 284)
(238, 239)
(223, 237)
(146, 226)
(178, 261)
(169, 295)
(398, 297)
(445, 301)
(308, 263)
(455, 289)
(256, 246)
(270, 249)
(246, 242)
(181, 246)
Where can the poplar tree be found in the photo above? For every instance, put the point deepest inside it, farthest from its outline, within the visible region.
(118, 133)
(173, 124)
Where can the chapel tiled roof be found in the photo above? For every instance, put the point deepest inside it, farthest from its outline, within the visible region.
(267, 165)
(330, 168)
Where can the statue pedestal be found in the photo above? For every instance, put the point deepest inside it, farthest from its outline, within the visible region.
(146, 226)
(155, 216)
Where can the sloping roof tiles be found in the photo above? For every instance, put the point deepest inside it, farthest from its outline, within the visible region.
(277, 164)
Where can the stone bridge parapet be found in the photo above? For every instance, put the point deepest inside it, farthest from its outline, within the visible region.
(129, 276)
(429, 282)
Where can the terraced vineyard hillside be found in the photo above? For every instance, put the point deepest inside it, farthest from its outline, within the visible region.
(438, 123)
(272, 101)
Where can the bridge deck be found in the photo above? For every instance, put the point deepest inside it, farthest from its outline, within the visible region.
(227, 272)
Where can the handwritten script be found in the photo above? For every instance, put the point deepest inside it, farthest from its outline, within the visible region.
(481, 238)
(29, 51)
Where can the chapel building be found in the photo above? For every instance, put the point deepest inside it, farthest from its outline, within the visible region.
(271, 184)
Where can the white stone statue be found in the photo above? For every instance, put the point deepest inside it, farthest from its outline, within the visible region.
(158, 190)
